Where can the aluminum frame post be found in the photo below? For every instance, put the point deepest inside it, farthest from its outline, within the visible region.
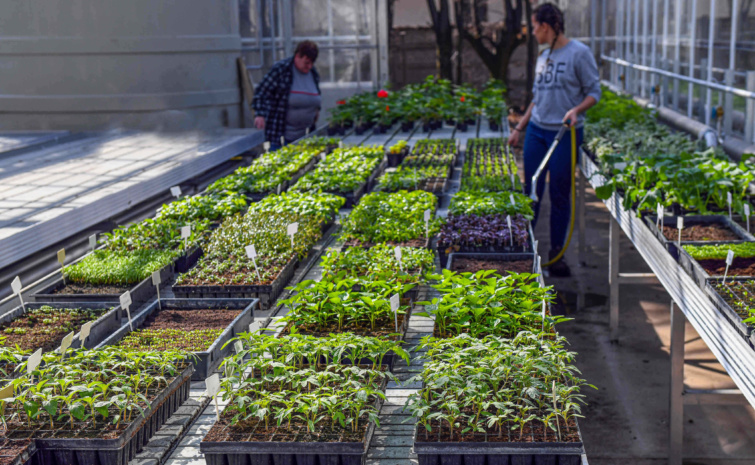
(676, 386)
(644, 51)
(692, 47)
(728, 103)
(677, 50)
(711, 32)
(635, 89)
(750, 113)
(382, 41)
(593, 26)
(582, 186)
(614, 233)
(287, 12)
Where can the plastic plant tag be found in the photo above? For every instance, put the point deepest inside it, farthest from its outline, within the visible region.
(395, 301)
(283, 140)
(340, 144)
(747, 215)
(251, 252)
(34, 360)
(65, 344)
(266, 146)
(125, 299)
(156, 281)
(729, 261)
(659, 213)
(306, 133)
(185, 232)
(213, 387)
(511, 199)
(175, 191)
(322, 156)
(397, 251)
(254, 326)
(292, 229)
(511, 233)
(238, 347)
(679, 227)
(427, 223)
(543, 317)
(93, 242)
(62, 256)
(7, 391)
(729, 201)
(86, 328)
(16, 287)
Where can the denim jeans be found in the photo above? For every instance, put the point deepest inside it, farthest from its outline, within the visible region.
(536, 143)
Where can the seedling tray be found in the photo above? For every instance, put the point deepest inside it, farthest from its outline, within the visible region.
(497, 257)
(693, 220)
(26, 457)
(265, 293)
(498, 453)
(746, 331)
(121, 450)
(206, 361)
(444, 252)
(102, 327)
(698, 273)
(290, 453)
(257, 196)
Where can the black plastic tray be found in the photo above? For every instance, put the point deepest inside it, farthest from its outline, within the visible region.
(26, 457)
(747, 332)
(121, 450)
(697, 272)
(498, 257)
(691, 220)
(102, 327)
(206, 361)
(265, 293)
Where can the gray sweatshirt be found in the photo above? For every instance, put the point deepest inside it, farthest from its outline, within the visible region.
(562, 82)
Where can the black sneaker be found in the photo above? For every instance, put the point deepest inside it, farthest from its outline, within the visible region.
(559, 269)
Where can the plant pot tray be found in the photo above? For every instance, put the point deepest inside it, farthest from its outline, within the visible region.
(497, 257)
(265, 293)
(257, 196)
(746, 331)
(102, 327)
(26, 457)
(206, 361)
(692, 220)
(697, 272)
(121, 450)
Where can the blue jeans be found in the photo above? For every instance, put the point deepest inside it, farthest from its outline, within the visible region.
(536, 143)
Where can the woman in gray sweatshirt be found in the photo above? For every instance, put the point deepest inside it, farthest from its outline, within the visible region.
(566, 85)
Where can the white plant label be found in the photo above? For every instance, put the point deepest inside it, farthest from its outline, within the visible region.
(251, 252)
(543, 317)
(659, 211)
(292, 229)
(238, 347)
(729, 201)
(62, 256)
(283, 140)
(395, 302)
(213, 387)
(511, 233)
(15, 285)
(397, 251)
(747, 215)
(254, 326)
(322, 156)
(175, 191)
(65, 344)
(34, 360)
(679, 227)
(729, 261)
(427, 223)
(125, 304)
(537, 264)
(266, 146)
(511, 199)
(86, 328)
(534, 247)
(156, 278)
(185, 232)
(279, 188)
(307, 132)
(340, 144)
(93, 242)
(6, 392)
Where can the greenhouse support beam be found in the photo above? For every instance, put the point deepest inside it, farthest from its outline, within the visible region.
(676, 387)
(693, 41)
(750, 113)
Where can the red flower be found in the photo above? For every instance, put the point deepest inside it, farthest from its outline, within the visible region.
(387, 108)
(382, 93)
(341, 102)
(462, 98)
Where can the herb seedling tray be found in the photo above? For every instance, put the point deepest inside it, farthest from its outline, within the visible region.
(118, 451)
(746, 331)
(496, 257)
(257, 196)
(445, 251)
(102, 327)
(502, 453)
(208, 360)
(694, 269)
(352, 198)
(290, 453)
(25, 457)
(694, 220)
(266, 293)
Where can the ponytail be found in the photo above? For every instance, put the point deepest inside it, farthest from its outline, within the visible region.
(550, 14)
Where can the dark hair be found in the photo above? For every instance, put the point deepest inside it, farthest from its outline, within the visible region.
(308, 49)
(550, 14)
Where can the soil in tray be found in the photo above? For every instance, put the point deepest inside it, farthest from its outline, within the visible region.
(73, 288)
(255, 431)
(9, 450)
(473, 265)
(533, 432)
(701, 232)
(191, 330)
(739, 267)
(46, 326)
(383, 327)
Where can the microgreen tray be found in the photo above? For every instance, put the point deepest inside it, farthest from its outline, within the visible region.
(498, 453)
(121, 450)
(101, 327)
(693, 220)
(265, 293)
(257, 196)
(735, 319)
(696, 271)
(207, 361)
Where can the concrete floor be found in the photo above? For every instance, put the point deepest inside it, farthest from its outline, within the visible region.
(627, 417)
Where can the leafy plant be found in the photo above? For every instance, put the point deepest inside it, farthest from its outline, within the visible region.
(486, 169)
(479, 231)
(323, 207)
(108, 267)
(380, 261)
(491, 203)
(720, 251)
(404, 178)
(342, 171)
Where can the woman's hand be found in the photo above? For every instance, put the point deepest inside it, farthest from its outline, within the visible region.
(259, 122)
(514, 137)
(571, 117)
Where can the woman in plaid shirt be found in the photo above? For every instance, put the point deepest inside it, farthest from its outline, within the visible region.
(288, 99)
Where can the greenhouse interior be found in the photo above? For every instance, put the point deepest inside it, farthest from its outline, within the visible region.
(329, 190)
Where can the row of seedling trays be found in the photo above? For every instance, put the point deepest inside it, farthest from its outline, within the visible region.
(719, 254)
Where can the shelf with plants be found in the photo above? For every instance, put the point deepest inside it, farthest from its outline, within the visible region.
(96, 406)
(199, 326)
(341, 303)
(503, 398)
(380, 261)
(706, 261)
(647, 164)
(44, 325)
(225, 271)
(322, 207)
(735, 299)
(281, 405)
(433, 179)
(697, 230)
(487, 233)
(394, 218)
(348, 172)
(488, 167)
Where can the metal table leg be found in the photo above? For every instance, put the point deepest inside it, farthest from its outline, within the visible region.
(582, 186)
(676, 387)
(613, 278)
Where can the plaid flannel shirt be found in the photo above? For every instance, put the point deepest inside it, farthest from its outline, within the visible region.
(271, 97)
